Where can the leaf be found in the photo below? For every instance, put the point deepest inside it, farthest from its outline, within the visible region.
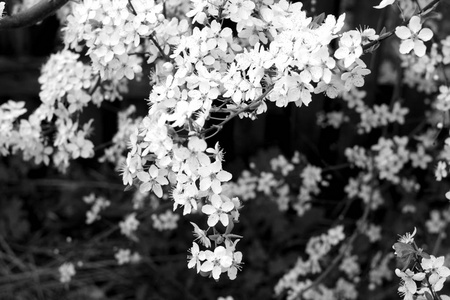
(372, 48)
(405, 253)
(430, 13)
(128, 188)
(319, 19)
(428, 296)
(423, 254)
(402, 250)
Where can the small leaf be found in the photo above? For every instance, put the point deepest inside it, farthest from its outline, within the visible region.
(403, 250)
(428, 296)
(423, 254)
(128, 188)
(319, 19)
(230, 226)
(373, 48)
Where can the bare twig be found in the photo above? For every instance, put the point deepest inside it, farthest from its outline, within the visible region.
(32, 15)
(63, 184)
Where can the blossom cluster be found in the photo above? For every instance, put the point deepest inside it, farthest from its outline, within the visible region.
(126, 125)
(111, 32)
(97, 205)
(427, 269)
(379, 115)
(165, 221)
(289, 183)
(438, 221)
(222, 259)
(129, 225)
(124, 256)
(317, 249)
(389, 157)
(66, 272)
(51, 132)
(205, 75)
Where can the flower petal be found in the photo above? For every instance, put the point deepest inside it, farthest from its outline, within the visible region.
(216, 272)
(205, 183)
(143, 176)
(153, 171)
(403, 32)
(414, 24)
(443, 271)
(232, 273)
(224, 176)
(216, 187)
(212, 220)
(216, 201)
(411, 285)
(406, 46)
(227, 206)
(341, 53)
(207, 266)
(384, 3)
(208, 209)
(157, 190)
(427, 263)
(425, 34)
(224, 219)
(419, 48)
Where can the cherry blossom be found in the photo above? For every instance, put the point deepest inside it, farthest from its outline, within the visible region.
(409, 278)
(212, 177)
(349, 47)
(413, 37)
(216, 262)
(239, 10)
(218, 210)
(196, 257)
(438, 272)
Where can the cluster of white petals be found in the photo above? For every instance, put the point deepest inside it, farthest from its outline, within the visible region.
(222, 259)
(112, 31)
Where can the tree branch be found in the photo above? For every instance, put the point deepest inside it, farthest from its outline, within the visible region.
(32, 15)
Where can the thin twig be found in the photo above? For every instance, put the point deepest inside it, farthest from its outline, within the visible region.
(255, 104)
(155, 42)
(344, 247)
(11, 256)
